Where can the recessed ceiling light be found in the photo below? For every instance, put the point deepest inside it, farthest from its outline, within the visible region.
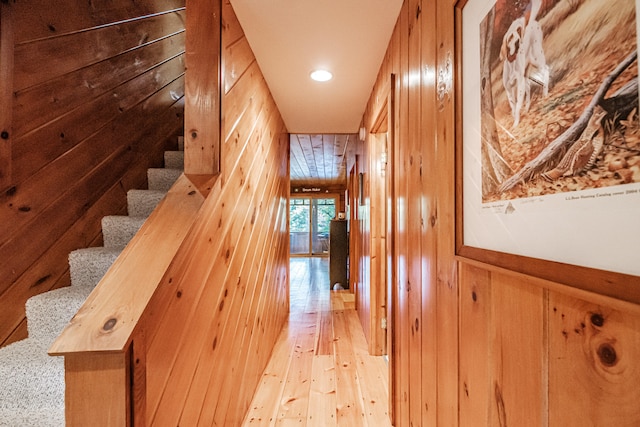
(321, 75)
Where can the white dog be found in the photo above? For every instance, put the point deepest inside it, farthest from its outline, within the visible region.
(522, 47)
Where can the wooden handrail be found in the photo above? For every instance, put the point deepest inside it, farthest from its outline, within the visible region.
(97, 342)
(108, 317)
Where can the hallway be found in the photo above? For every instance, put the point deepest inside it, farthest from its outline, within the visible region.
(320, 373)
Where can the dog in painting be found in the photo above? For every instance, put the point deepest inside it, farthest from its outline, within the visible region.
(522, 49)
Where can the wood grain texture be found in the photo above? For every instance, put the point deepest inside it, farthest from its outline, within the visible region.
(113, 298)
(211, 329)
(7, 56)
(320, 160)
(519, 327)
(73, 16)
(403, 321)
(203, 87)
(82, 373)
(593, 368)
(443, 219)
(101, 44)
(347, 387)
(504, 342)
(421, 253)
(76, 126)
(371, 232)
(493, 346)
(97, 101)
(117, 77)
(82, 190)
(475, 323)
(48, 273)
(190, 358)
(507, 324)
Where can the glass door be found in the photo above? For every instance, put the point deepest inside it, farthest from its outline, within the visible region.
(299, 226)
(323, 211)
(309, 220)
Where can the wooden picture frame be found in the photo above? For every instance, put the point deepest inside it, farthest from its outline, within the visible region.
(512, 231)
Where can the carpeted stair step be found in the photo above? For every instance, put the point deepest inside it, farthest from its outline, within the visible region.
(49, 313)
(174, 160)
(32, 382)
(161, 178)
(118, 230)
(87, 266)
(31, 386)
(141, 203)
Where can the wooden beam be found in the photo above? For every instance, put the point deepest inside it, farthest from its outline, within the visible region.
(6, 93)
(202, 88)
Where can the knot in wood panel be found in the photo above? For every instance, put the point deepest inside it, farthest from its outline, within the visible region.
(607, 354)
(109, 324)
(597, 320)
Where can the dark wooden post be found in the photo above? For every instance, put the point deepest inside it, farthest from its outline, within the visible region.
(202, 87)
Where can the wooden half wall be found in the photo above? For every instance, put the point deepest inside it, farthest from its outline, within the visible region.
(90, 97)
(472, 344)
(225, 298)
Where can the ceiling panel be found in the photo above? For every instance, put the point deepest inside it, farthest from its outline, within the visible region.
(319, 160)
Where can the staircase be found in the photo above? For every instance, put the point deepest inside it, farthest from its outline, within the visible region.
(31, 381)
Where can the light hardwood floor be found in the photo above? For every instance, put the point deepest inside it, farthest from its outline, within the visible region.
(320, 373)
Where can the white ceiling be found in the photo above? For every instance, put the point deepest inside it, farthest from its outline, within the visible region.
(291, 38)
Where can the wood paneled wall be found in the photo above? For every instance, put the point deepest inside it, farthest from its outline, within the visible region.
(368, 247)
(90, 97)
(474, 345)
(225, 298)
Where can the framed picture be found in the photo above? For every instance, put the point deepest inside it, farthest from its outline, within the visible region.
(548, 155)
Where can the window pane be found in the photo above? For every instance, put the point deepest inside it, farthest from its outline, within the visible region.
(299, 223)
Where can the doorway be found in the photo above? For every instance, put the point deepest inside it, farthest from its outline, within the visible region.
(309, 221)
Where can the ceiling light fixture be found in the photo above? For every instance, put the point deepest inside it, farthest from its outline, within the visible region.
(321, 75)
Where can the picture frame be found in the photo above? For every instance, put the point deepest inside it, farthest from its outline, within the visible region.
(518, 206)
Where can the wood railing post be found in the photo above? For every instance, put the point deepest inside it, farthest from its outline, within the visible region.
(97, 389)
(203, 88)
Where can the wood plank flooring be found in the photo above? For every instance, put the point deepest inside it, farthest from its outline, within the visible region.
(320, 373)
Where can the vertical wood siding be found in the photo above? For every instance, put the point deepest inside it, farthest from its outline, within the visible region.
(477, 346)
(96, 94)
(227, 291)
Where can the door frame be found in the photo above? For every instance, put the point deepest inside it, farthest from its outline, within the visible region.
(392, 228)
(385, 123)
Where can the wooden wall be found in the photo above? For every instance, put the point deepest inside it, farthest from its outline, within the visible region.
(90, 95)
(368, 262)
(224, 300)
(475, 345)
